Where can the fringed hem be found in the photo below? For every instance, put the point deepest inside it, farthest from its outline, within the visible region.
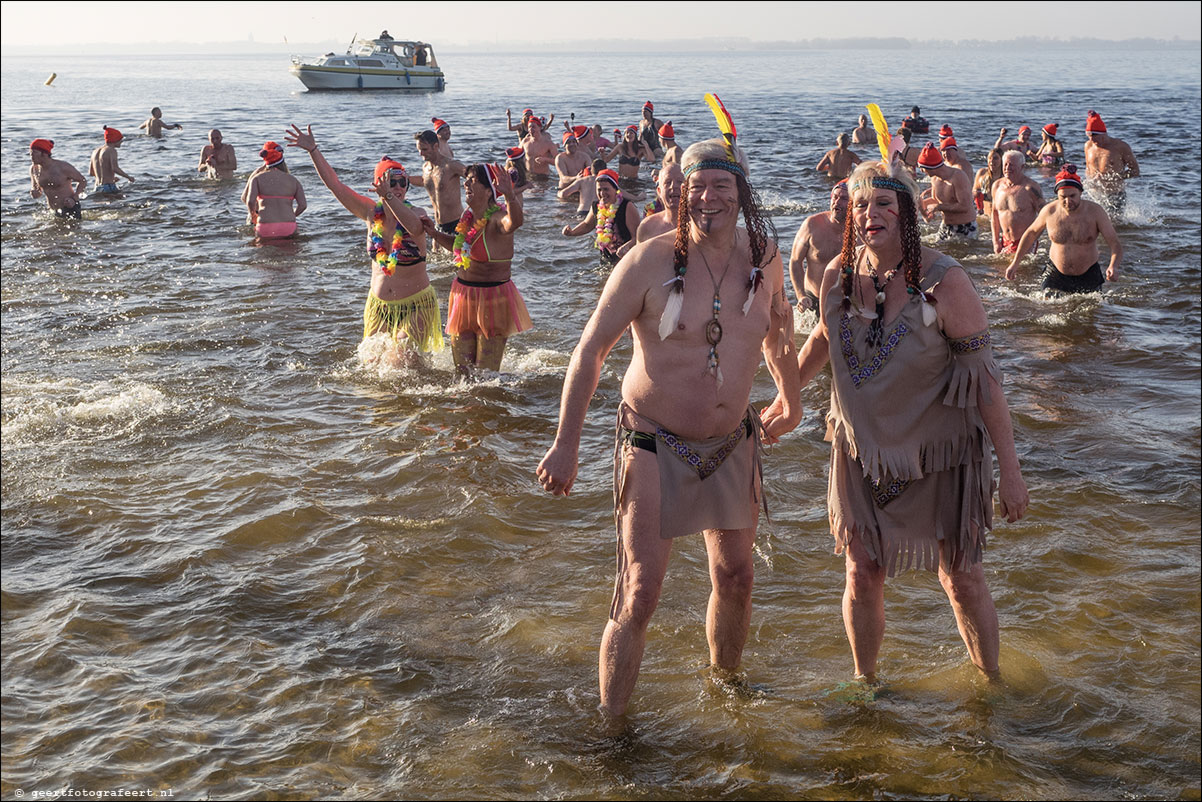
(967, 378)
(417, 318)
(943, 517)
(912, 462)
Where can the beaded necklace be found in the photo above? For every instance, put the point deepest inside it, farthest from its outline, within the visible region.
(713, 329)
(467, 232)
(606, 228)
(876, 327)
(386, 259)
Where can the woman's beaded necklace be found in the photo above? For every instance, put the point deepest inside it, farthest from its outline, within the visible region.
(387, 259)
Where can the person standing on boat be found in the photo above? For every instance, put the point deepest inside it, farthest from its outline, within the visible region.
(400, 302)
(103, 164)
(485, 309)
(440, 178)
(271, 193)
(57, 181)
(217, 159)
(916, 410)
(540, 149)
(154, 124)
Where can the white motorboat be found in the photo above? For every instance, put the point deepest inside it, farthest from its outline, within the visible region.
(383, 63)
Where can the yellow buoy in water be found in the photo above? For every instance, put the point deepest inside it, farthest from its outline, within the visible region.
(50, 80)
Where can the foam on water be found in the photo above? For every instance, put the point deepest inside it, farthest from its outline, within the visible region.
(36, 410)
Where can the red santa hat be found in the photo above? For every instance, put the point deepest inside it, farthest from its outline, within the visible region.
(930, 158)
(1094, 124)
(44, 145)
(272, 153)
(383, 166)
(948, 142)
(1051, 128)
(608, 175)
(945, 131)
(1068, 177)
(667, 131)
(438, 124)
(112, 135)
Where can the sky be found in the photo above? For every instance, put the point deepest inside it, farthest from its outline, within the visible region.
(28, 23)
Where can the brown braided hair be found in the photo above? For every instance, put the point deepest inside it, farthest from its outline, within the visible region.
(761, 231)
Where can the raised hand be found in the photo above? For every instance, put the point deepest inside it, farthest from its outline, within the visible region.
(296, 138)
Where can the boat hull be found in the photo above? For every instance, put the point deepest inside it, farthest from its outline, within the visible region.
(416, 80)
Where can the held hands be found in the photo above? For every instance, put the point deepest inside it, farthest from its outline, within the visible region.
(778, 420)
(296, 138)
(557, 471)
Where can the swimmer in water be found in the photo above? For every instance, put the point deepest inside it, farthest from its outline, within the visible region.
(1074, 225)
(400, 301)
(103, 164)
(1017, 200)
(613, 218)
(818, 241)
(571, 163)
(154, 124)
(668, 182)
(1051, 150)
(1109, 162)
(440, 178)
(953, 156)
(55, 180)
(982, 187)
(217, 159)
(271, 193)
(1022, 143)
(950, 197)
(838, 162)
(442, 129)
(863, 133)
(540, 149)
(667, 143)
(584, 187)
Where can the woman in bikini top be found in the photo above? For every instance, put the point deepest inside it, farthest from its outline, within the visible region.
(982, 185)
(629, 150)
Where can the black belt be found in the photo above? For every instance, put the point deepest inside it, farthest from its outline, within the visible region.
(482, 284)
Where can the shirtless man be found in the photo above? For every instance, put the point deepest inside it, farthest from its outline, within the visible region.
(154, 124)
(584, 186)
(667, 143)
(217, 159)
(1017, 200)
(540, 149)
(442, 130)
(1074, 225)
(863, 133)
(687, 388)
(1109, 162)
(571, 162)
(56, 180)
(838, 162)
(950, 195)
(953, 156)
(818, 241)
(103, 164)
(440, 176)
(1022, 144)
(668, 182)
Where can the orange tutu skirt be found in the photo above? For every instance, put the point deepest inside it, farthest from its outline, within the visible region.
(486, 310)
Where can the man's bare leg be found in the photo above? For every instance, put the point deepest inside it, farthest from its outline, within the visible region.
(864, 609)
(975, 614)
(732, 574)
(644, 563)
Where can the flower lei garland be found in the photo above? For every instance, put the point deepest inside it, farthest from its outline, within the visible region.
(387, 259)
(467, 232)
(606, 230)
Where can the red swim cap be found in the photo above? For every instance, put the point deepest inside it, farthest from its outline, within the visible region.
(580, 131)
(384, 165)
(514, 153)
(1024, 128)
(271, 153)
(667, 131)
(930, 158)
(1068, 177)
(945, 131)
(1051, 128)
(608, 175)
(45, 145)
(947, 142)
(112, 135)
(649, 106)
(1094, 124)
(438, 124)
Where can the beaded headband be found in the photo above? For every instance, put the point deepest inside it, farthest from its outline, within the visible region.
(714, 164)
(880, 182)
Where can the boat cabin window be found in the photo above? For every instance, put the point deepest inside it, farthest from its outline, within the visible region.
(336, 61)
(370, 62)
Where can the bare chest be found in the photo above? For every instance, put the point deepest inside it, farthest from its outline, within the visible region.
(1066, 229)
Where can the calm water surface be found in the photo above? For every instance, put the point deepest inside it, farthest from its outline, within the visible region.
(237, 563)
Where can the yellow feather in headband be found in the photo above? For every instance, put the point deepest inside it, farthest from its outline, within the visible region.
(725, 124)
(882, 130)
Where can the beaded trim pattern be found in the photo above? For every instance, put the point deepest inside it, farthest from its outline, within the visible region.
(715, 164)
(883, 492)
(967, 345)
(862, 373)
(704, 465)
(878, 182)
